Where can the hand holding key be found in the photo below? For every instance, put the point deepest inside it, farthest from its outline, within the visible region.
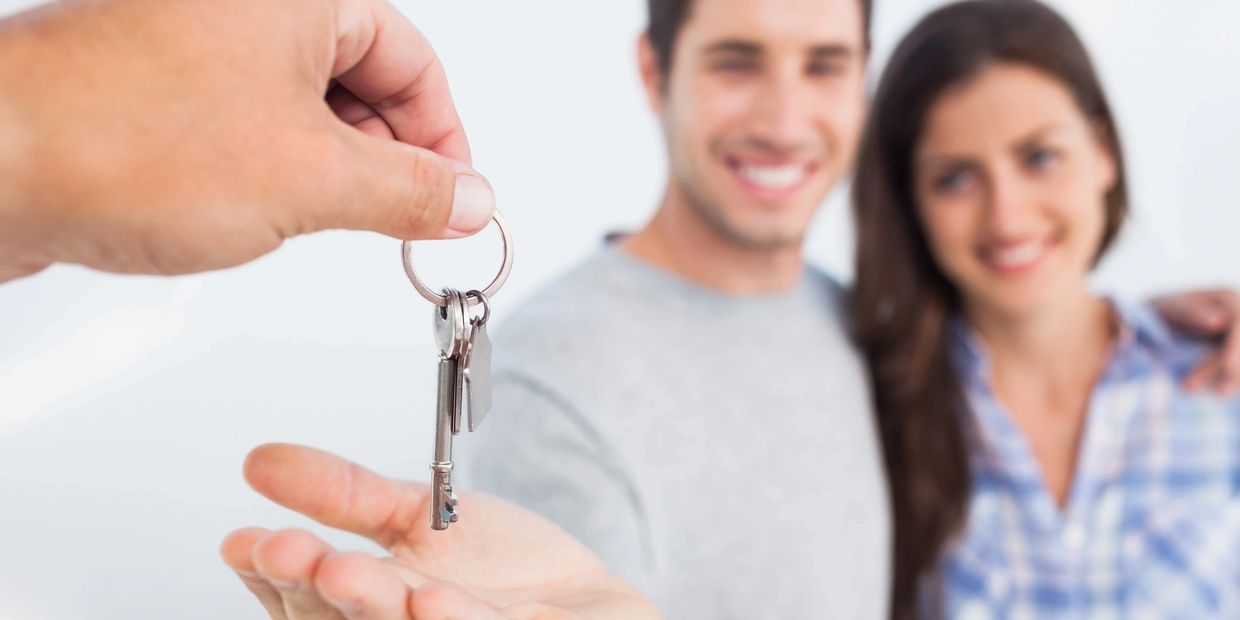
(174, 136)
(501, 562)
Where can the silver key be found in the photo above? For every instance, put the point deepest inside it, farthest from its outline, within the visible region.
(477, 363)
(452, 334)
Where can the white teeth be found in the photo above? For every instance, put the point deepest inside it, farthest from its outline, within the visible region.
(774, 177)
(1018, 256)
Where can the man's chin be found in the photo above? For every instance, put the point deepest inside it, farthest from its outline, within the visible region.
(754, 233)
(764, 234)
(769, 242)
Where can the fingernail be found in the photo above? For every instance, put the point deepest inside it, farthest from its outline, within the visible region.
(472, 203)
(247, 574)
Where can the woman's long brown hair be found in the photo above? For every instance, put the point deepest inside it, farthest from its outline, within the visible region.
(902, 303)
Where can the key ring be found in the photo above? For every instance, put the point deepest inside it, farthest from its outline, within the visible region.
(406, 252)
(486, 305)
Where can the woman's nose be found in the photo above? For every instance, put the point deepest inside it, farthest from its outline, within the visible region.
(1010, 203)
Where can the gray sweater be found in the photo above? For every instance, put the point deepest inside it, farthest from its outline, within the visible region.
(716, 451)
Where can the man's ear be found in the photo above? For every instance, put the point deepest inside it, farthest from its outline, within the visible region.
(652, 76)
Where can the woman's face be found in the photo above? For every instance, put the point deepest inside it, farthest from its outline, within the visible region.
(1010, 179)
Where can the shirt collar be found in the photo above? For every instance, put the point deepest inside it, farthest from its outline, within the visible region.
(1142, 338)
(1140, 329)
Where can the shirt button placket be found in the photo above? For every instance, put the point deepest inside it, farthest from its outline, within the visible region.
(1073, 538)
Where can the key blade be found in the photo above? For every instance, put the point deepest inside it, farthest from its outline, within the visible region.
(478, 378)
(443, 500)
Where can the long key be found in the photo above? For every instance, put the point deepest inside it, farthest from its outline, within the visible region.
(452, 334)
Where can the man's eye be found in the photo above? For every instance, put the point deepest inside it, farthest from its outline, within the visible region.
(735, 66)
(825, 68)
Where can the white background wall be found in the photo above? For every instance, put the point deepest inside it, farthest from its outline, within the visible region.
(128, 403)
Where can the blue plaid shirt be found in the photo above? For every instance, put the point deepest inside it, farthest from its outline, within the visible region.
(1151, 528)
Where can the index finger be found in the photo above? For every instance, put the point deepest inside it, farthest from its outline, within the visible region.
(338, 493)
(386, 62)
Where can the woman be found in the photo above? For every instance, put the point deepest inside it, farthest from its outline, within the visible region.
(1042, 458)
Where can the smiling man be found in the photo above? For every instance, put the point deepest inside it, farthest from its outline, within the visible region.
(700, 355)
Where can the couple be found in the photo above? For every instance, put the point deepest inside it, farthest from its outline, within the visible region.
(687, 403)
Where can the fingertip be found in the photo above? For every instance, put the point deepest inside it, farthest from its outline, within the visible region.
(260, 456)
(269, 469)
(288, 558)
(288, 541)
(473, 202)
(255, 469)
(236, 550)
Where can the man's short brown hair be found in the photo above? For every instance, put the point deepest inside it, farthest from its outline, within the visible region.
(668, 16)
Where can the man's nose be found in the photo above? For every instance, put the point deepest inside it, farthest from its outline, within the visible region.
(783, 113)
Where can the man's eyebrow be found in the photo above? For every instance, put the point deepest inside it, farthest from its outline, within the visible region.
(832, 51)
(825, 51)
(733, 46)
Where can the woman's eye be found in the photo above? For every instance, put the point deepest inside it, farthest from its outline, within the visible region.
(1042, 159)
(953, 182)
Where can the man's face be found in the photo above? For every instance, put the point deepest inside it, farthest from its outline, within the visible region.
(762, 108)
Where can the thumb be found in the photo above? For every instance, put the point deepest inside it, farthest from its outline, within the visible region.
(338, 493)
(406, 192)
